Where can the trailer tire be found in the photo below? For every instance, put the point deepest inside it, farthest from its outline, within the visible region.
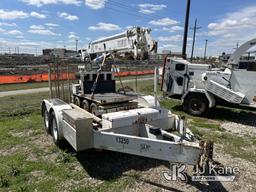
(93, 108)
(85, 105)
(196, 105)
(46, 117)
(55, 130)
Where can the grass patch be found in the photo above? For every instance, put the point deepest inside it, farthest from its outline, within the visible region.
(145, 87)
(241, 147)
(20, 86)
(206, 123)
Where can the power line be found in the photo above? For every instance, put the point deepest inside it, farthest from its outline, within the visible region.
(123, 5)
(129, 13)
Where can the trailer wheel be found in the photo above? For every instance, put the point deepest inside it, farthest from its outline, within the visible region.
(85, 105)
(54, 129)
(46, 119)
(77, 101)
(196, 104)
(93, 108)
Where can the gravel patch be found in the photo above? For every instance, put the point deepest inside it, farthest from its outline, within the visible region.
(240, 129)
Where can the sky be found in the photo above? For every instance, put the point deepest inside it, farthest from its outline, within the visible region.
(29, 26)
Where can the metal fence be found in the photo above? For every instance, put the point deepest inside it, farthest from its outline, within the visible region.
(61, 77)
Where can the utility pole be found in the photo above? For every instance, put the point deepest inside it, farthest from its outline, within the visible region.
(76, 44)
(205, 48)
(195, 28)
(185, 36)
(237, 46)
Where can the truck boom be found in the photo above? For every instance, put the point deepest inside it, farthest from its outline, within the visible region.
(136, 43)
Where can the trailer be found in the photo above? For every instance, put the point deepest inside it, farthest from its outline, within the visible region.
(100, 117)
(202, 87)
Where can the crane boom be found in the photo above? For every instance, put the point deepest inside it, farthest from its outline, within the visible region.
(235, 57)
(135, 42)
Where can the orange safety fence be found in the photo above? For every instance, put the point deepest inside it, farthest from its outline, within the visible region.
(133, 73)
(11, 79)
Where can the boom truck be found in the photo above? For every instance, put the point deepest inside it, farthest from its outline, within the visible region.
(202, 87)
(100, 117)
(134, 43)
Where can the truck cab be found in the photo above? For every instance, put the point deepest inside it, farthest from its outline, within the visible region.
(180, 75)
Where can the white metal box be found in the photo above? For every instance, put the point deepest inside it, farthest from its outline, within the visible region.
(224, 92)
(131, 117)
(77, 129)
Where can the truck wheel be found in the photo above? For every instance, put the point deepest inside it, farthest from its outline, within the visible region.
(85, 105)
(54, 129)
(196, 104)
(46, 119)
(77, 101)
(93, 108)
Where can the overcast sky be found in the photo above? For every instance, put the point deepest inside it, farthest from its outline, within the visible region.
(33, 25)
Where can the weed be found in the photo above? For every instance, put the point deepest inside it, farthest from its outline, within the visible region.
(22, 189)
(4, 182)
(14, 171)
(63, 157)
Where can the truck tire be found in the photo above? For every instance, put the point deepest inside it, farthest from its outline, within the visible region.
(196, 105)
(54, 129)
(85, 105)
(77, 101)
(93, 108)
(46, 118)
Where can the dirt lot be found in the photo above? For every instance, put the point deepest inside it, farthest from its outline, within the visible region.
(29, 161)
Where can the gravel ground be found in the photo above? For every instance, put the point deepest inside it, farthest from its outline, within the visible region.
(240, 129)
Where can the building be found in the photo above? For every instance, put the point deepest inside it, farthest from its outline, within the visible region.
(59, 53)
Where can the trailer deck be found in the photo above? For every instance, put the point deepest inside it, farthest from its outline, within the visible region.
(110, 98)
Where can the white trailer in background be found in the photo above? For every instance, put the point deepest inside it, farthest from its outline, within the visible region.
(201, 87)
(135, 43)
